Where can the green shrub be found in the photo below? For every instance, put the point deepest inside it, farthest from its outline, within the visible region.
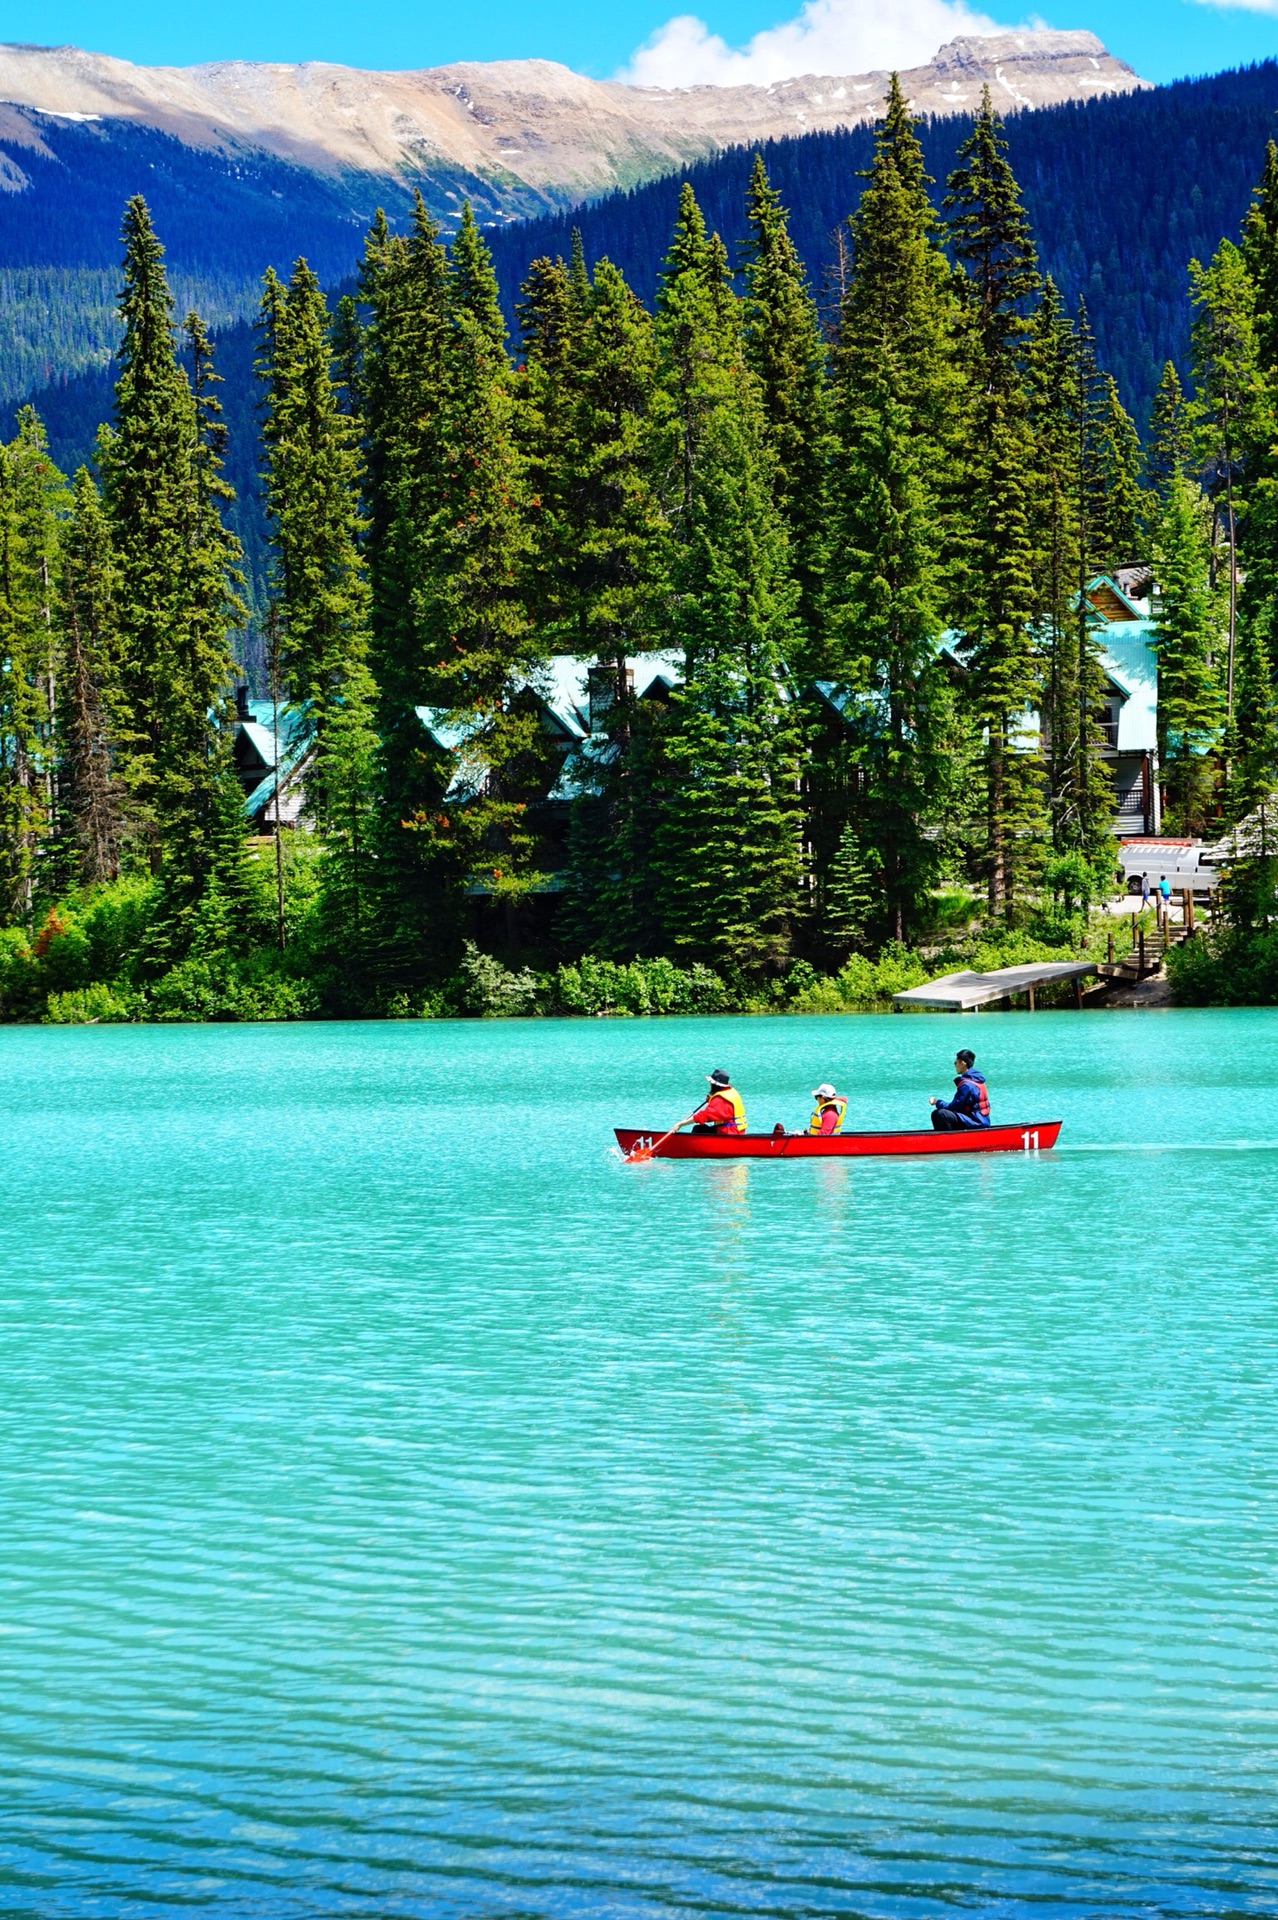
(18, 974)
(114, 919)
(484, 988)
(217, 988)
(819, 996)
(594, 986)
(98, 1005)
(897, 969)
(1235, 967)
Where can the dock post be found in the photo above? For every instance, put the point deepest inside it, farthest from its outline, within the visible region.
(1140, 949)
(1078, 993)
(1031, 997)
(1110, 951)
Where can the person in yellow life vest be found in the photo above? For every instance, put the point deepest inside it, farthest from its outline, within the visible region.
(724, 1111)
(827, 1115)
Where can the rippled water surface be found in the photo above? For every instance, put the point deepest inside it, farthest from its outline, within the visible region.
(407, 1509)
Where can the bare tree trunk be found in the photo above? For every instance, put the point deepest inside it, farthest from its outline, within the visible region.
(997, 824)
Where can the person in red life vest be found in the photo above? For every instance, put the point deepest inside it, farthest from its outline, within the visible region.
(970, 1106)
(827, 1115)
(724, 1111)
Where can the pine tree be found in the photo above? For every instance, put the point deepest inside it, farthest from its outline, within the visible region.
(403, 282)
(178, 573)
(91, 719)
(896, 392)
(848, 896)
(1233, 405)
(601, 557)
(312, 498)
(480, 645)
(31, 498)
(1260, 255)
(1065, 389)
(727, 855)
(1252, 744)
(448, 544)
(1119, 529)
(1004, 666)
(322, 602)
(1191, 711)
(990, 238)
(786, 353)
(1170, 448)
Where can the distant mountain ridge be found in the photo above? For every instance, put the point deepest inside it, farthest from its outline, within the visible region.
(540, 134)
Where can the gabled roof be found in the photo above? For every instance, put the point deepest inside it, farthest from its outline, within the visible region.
(1109, 600)
(285, 755)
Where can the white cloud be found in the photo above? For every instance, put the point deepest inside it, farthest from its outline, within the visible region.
(1242, 6)
(825, 36)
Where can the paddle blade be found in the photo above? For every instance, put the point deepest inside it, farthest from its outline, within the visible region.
(639, 1153)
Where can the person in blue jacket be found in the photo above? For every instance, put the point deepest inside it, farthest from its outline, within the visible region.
(970, 1106)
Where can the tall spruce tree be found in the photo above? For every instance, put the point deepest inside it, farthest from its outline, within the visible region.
(178, 572)
(1119, 528)
(448, 544)
(1253, 737)
(403, 283)
(601, 536)
(1170, 448)
(1191, 706)
(786, 353)
(1063, 387)
(312, 499)
(322, 602)
(92, 723)
(728, 847)
(991, 241)
(31, 500)
(1260, 255)
(1233, 406)
(896, 396)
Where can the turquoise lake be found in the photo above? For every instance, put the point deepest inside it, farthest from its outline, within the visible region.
(408, 1509)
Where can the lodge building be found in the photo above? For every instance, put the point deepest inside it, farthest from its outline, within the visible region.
(271, 752)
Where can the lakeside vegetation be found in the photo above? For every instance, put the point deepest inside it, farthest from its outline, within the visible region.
(866, 552)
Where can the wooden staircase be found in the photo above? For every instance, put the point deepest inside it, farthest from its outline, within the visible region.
(1150, 946)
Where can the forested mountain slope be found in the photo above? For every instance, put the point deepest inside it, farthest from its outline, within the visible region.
(1123, 193)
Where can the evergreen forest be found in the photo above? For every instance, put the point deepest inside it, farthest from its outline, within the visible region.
(856, 529)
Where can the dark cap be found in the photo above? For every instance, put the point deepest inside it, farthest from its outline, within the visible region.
(719, 1078)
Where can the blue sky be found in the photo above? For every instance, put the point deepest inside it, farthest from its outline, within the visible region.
(1161, 38)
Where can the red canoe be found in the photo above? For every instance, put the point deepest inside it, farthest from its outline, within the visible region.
(1027, 1138)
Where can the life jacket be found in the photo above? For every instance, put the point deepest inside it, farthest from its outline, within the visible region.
(839, 1102)
(977, 1080)
(737, 1124)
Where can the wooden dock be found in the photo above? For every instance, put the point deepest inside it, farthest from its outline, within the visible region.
(969, 992)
